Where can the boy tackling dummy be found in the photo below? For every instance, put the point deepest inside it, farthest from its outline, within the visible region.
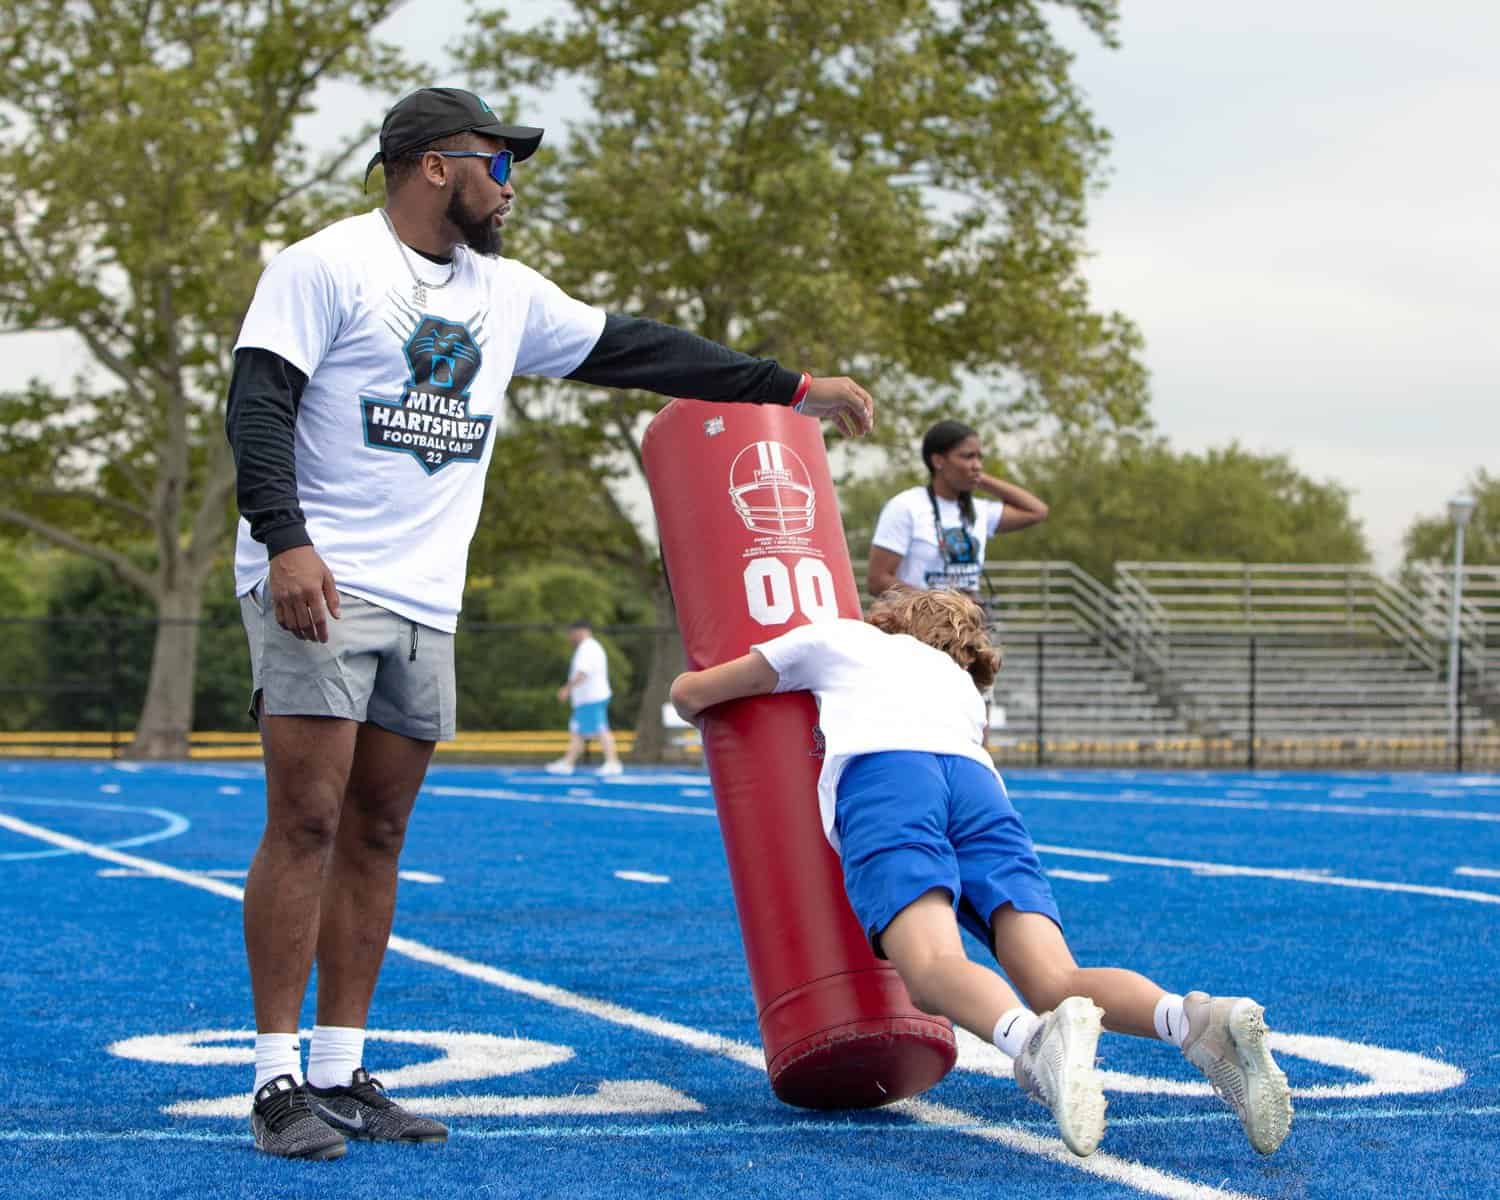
(912, 802)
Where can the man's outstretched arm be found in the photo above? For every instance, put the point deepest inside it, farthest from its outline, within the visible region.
(633, 352)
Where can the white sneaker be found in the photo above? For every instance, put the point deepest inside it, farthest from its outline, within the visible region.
(1227, 1041)
(612, 768)
(559, 768)
(1056, 1069)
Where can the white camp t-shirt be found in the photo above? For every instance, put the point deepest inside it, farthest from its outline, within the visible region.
(906, 528)
(589, 657)
(395, 428)
(877, 691)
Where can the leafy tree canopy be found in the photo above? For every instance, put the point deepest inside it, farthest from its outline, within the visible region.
(892, 189)
(1431, 538)
(1117, 500)
(147, 161)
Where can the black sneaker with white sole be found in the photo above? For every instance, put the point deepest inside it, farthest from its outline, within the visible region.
(363, 1110)
(285, 1125)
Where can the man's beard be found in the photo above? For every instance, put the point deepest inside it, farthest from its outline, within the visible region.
(482, 236)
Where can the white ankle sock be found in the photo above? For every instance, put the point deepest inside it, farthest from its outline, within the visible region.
(1013, 1030)
(1170, 1020)
(276, 1054)
(333, 1054)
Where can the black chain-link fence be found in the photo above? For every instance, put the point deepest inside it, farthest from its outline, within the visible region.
(1063, 697)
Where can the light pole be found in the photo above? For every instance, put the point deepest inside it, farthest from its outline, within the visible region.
(1460, 508)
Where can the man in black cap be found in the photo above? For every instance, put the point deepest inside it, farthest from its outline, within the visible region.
(367, 376)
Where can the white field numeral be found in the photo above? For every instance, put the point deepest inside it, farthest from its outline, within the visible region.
(462, 1058)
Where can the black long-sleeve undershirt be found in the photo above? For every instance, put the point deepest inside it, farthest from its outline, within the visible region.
(260, 421)
(632, 352)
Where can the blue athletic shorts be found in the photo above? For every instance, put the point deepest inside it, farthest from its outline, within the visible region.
(911, 822)
(590, 719)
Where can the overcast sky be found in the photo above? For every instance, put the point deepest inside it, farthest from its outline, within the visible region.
(1301, 215)
(1302, 218)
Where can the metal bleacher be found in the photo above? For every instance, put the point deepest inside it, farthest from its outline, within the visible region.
(1337, 650)
(1479, 620)
(1186, 661)
(1071, 671)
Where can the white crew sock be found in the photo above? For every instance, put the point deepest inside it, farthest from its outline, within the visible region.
(1014, 1029)
(276, 1054)
(333, 1054)
(1170, 1021)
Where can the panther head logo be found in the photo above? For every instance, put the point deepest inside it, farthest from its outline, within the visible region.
(443, 357)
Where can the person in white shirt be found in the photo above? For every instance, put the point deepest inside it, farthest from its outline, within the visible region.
(369, 373)
(588, 690)
(934, 536)
(929, 840)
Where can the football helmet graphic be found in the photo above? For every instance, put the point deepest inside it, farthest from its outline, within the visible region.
(771, 489)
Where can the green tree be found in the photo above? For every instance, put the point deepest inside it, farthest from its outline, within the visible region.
(23, 632)
(890, 189)
(513, 651)
(1138, 499)
(95, 651)
(1119, 499)
(146, 160)
(1430, 539)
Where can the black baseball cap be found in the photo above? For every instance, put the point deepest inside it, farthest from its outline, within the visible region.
(431, 113)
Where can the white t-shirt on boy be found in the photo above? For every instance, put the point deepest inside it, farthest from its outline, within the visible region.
(877, 691)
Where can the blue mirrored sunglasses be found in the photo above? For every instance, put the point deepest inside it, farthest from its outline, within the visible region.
(499, 161)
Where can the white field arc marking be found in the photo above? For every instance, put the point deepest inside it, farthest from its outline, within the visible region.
(642, 877)
(1477, 872)
(1100, 1163)
(174, 825)
(1385, 1072)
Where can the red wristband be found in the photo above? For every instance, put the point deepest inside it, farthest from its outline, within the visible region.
(801, 393)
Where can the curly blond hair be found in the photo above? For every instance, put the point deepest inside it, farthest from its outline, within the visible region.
(945, 620)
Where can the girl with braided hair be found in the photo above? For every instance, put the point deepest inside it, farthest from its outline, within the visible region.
(934, 536)
(911, 801)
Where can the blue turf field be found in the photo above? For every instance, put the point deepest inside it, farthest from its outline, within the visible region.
(567, 988)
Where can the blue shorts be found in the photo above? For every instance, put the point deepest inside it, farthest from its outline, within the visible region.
(590, 719)
(911, 822)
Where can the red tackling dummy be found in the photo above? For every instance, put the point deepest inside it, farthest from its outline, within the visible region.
(754, 546)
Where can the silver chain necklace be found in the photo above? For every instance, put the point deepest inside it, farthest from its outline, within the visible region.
(419, 288)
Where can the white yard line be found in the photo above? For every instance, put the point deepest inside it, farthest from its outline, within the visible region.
(1023, 794)
(1102, 1164)
(719, 1129)
(1288, 874)
(580, 801)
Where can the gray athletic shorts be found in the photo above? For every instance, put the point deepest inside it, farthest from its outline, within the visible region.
(375, 666)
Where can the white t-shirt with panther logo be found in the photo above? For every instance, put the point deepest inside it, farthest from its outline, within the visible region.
(395, 428)
(906, 527)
